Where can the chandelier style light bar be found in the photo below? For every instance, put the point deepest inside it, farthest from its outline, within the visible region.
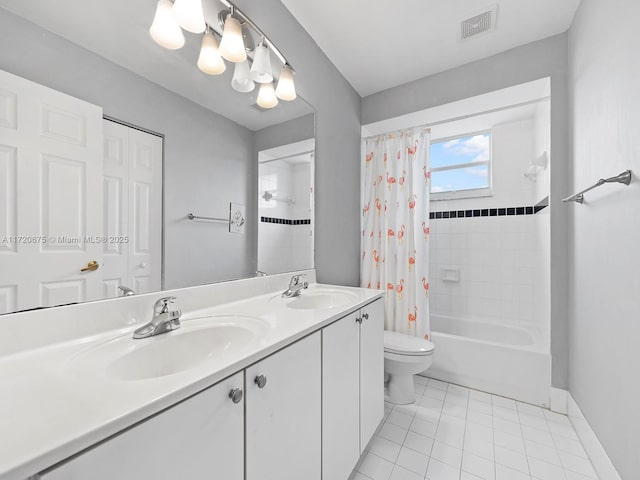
(236, 40)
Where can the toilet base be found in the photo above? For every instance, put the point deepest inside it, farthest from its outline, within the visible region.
(400, 390)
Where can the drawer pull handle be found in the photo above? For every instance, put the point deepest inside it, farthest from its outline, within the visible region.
(236, 395)
(260, 381)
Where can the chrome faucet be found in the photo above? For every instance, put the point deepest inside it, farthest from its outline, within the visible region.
(126, 291)
(164, 319)
(296, 285)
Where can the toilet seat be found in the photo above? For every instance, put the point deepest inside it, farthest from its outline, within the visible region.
(401, 344)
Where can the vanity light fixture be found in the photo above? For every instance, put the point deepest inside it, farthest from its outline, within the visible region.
(210, 61)
(232, 45)
(261, 67)
(189, 15)
(241, 81)
(267, 96)
(237, 33)
(165, 30)
(286, 89)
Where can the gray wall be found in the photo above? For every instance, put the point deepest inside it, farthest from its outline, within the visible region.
(337, 159)
(544, 58)
(604, 304)
(201, 148)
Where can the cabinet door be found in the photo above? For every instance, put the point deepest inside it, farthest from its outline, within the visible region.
(340, 397)
(371, 370)
(283, 417)
(199, 438)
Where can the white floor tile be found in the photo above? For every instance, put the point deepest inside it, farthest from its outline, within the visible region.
(512, 442)
(577, 464)
(419, 443)
(413, 461)
(400, 473)
(441, 471)
(447, 454)
(420, 380)
(542, 452)
(393, 432)
(424, 427)
(453, 433)
(481, 467)
(506, 473)
(545, 471)
(375, 467)
(385, 448)
(400, 419)
(511, 459)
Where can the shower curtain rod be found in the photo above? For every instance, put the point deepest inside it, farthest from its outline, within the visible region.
(464, 117)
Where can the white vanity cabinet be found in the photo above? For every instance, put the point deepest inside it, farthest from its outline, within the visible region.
(201, 437)
(283, 414)
(353, 383)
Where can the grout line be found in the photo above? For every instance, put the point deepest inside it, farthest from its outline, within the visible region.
(524, 443)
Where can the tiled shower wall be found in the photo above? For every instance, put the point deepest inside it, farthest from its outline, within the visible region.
(283, 245)
(502, 261)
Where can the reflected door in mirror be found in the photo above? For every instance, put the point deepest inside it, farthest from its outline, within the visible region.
(51, 196)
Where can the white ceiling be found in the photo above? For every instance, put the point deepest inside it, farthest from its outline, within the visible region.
(378, 44)
(118, 30)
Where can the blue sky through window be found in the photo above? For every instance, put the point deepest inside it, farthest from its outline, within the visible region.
(460, 152)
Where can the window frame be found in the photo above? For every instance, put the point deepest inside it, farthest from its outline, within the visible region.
(469, 192)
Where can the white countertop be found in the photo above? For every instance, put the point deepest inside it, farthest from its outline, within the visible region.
(54, 406)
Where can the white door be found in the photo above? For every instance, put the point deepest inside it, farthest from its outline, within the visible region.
(283, 417)
(132, 209)
(371, 370)
(202, 437)
(51, 196)
(340, 397)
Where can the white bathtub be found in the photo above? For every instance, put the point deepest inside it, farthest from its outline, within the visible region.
(504, 360)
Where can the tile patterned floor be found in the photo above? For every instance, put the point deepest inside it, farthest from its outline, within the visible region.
(454, 433)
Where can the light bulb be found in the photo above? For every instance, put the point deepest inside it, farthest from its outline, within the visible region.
(286, 89)
(267, 96)
(164, 30)
(210, 60)
(241, 81)
(261, 67)
(232, 44)
(189, 15)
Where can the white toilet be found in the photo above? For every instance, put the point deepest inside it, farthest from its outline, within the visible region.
(404, 356)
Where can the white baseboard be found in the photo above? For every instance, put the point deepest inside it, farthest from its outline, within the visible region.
(599, 458)
(559, 401)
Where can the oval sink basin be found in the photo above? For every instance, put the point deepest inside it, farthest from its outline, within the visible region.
(197, 340)
(319, 298)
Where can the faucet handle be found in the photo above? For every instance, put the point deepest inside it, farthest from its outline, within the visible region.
(162, 304)
(295, 279)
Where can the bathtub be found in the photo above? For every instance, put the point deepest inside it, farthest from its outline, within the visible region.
(508, 361)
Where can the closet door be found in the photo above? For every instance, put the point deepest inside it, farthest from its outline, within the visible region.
(132, 209)
(51, 196)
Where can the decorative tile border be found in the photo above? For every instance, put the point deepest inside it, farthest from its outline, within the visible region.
(285, 221)
(491, 212)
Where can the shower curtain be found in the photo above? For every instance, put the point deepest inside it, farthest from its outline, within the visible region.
(395, 226)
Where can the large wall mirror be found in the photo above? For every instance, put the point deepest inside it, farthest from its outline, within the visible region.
(124, 169)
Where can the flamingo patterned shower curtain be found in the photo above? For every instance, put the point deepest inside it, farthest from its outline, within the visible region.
(395, 226)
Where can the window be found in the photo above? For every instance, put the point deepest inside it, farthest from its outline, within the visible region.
(461, 167)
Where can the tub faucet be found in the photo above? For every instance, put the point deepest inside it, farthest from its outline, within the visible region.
(164, 319)
(296, 284)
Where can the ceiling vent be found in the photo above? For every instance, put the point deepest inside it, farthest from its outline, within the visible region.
(479, 23)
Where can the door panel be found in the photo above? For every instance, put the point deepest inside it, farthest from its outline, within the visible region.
(371, 370)
(340, 398)
(51, 153)
(283, 418)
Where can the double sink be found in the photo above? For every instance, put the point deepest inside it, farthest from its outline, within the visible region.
(197, 340)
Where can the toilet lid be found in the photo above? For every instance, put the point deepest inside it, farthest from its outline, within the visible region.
(402, 344)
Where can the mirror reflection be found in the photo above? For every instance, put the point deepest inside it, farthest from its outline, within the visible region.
(107, 144)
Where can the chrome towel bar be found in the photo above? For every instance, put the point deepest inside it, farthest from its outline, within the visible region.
(191, 216)
(624, 177)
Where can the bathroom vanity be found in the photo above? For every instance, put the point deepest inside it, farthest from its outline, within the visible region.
(251, 386)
